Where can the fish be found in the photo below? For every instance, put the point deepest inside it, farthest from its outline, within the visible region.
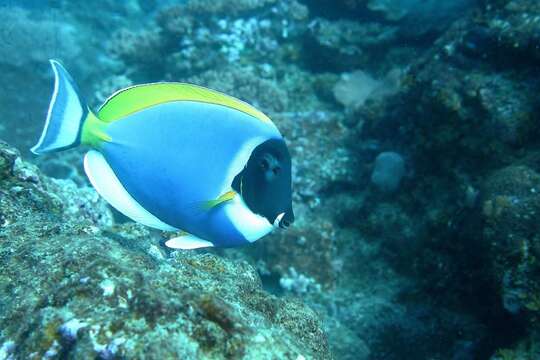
(178, 157)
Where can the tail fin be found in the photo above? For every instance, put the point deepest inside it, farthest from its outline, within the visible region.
(66, 115)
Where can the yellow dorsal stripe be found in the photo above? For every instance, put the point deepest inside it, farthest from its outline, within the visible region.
(139, 97)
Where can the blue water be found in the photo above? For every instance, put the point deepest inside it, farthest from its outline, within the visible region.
(413, 128)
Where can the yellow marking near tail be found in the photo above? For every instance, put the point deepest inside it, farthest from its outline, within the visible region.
(93, 131)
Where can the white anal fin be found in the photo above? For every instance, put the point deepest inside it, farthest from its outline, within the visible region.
(187, 242)
(106, 183)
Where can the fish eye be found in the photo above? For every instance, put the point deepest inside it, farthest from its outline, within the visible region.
(276, 170)
(264, 164)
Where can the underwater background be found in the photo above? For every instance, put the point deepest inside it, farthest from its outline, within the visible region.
(413, 128)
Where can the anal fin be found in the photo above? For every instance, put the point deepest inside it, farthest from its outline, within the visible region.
(187, 242)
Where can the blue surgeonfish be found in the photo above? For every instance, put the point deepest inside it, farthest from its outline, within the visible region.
(178, 157)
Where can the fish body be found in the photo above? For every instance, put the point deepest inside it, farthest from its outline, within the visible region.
(175, 157)
(169, 183)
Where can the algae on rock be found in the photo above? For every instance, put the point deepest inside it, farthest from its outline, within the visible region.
(71, 288)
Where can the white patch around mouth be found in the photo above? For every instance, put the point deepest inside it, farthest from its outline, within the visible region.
(249, 224)
(278, 219)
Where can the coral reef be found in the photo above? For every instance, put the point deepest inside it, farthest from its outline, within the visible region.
(73, 288)
(473, 192)
(346, 45)
(510, 208)
(442, 265)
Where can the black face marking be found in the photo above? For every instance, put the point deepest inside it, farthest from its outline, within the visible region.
(265, 182)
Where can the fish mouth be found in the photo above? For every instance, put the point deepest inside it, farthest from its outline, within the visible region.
(278, 222)
(284, 224)
(281, 222)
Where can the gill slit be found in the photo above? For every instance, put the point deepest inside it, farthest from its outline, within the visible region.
(242, 186)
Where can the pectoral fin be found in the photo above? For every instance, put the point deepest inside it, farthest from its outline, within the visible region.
(210, 204)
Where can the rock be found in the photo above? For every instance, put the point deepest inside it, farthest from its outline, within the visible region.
(144, 48)
(464, 118)
(246, 85)
(510, 209)
(464, 97)
(515, 29)
(223, 7)
(388, 171)
(72, 289)
(426, 13)
(7, 161)
(345, 45)
(236, 34)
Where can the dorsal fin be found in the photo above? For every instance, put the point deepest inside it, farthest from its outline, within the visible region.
(139, 97)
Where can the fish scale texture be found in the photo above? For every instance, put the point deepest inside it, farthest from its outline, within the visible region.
(72, 291)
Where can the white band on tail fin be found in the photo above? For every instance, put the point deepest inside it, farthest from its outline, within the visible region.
(65, 116)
